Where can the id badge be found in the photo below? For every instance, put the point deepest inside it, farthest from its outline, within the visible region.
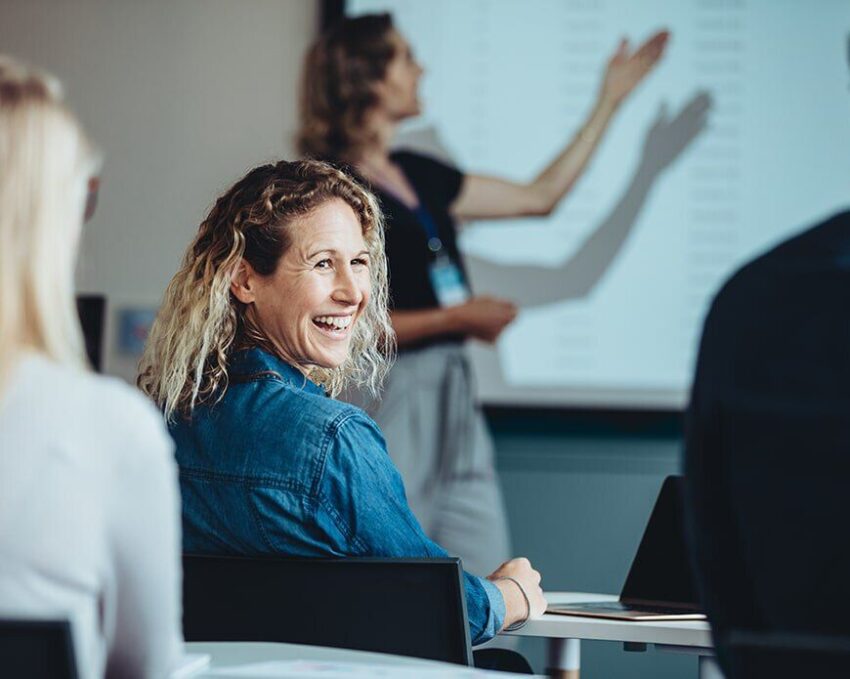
(447, 282)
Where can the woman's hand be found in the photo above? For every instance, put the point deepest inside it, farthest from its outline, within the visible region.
(515, 607)
(482, 317)
(626, 70)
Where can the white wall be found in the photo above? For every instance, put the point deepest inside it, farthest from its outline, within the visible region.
(182, 96)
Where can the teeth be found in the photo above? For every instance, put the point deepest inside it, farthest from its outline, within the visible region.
(340, 322)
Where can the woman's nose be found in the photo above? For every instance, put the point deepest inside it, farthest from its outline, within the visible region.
(347, 289)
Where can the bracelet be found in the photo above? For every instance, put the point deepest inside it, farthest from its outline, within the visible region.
(519, 623)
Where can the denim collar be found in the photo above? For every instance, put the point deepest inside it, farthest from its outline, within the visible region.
(254, 363)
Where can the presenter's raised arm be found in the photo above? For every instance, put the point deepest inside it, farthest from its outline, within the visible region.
(485, 197)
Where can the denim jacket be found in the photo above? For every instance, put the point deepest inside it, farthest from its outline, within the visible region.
(277, 467)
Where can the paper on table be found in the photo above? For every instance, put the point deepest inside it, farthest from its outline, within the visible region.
(302, 669)
(190, 664)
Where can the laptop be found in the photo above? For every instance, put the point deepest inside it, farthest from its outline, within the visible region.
(659, 585)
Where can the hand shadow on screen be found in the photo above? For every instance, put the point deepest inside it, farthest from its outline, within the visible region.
(529, 286)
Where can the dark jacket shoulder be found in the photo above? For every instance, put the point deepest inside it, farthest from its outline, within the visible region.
(797, 261)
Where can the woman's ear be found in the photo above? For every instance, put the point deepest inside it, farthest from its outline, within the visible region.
(380, 92)
(243, 282)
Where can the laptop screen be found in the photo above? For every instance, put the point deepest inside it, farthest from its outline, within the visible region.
(661, 570)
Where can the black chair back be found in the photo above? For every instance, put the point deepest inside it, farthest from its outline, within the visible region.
(412, 607)
(37, 649)
(91, 310)
(766, 655)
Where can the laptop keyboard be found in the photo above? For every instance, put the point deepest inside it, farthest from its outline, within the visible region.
(640, 608)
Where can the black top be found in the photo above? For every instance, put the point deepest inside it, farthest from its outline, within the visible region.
(768, 441)
(408, 257)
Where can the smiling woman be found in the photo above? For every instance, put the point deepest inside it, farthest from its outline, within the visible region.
(288, 244)
(310, 305)
(281, 298)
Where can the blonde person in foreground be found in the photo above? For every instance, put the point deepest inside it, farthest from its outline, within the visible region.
(280, 301)
(89, 509)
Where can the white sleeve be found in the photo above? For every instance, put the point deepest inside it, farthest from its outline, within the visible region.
(146, 548)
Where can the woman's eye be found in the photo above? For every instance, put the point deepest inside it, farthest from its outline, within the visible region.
(323, 264)
(359, 262)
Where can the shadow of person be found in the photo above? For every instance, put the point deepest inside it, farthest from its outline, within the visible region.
(529, 286)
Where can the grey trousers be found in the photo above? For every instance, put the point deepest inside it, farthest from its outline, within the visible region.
(439, 441)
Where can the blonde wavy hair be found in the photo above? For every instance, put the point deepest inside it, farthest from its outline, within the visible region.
(338, 86)
(46, 161)
(201, 323)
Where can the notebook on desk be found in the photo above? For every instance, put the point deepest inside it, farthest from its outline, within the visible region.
(659, 585)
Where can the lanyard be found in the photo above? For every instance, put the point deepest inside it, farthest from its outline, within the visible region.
(426, 221)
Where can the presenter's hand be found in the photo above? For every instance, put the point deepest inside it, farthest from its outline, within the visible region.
(522, 571)
(626, 68)
(483, 317)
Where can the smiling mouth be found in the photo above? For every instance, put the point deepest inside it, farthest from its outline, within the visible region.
(336, 326)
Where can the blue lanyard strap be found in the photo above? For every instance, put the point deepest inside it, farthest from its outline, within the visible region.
(426, 221)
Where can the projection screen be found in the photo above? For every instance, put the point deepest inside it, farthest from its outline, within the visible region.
(613, 286)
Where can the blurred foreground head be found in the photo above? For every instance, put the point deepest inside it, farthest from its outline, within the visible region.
(46, 162)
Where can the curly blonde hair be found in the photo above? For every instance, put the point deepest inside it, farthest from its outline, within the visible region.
(201, 323)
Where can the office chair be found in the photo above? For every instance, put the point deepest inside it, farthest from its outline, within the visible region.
(412, 607)
(91, 310)
(37, 649)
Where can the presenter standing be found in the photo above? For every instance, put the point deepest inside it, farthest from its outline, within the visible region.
(360, 81)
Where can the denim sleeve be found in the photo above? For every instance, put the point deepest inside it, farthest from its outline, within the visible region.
(362, 493)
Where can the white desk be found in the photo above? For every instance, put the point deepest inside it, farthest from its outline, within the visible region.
(565, 631)
(249, 659)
